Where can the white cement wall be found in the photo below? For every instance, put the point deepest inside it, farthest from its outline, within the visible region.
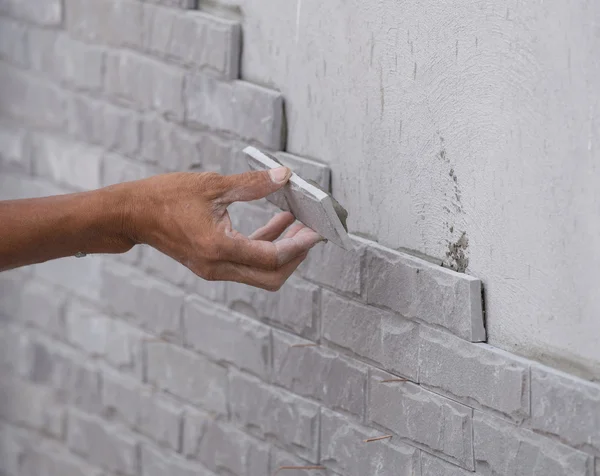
(444, 118)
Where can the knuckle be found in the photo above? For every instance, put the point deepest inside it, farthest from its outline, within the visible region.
(212, 184)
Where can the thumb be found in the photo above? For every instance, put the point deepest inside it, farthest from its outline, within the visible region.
(254, 185)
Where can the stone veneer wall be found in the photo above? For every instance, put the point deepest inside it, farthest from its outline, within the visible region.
(130, 365)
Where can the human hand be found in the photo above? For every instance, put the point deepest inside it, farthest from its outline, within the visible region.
(184, 215)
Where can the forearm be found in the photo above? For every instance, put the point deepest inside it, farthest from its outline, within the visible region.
(41, 229)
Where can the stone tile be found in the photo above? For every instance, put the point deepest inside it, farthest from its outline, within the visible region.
(295, 306)
(157, 462)
(436, 424)
(386, 339)
(197, 39)
(308, 204)
(502, 449)
(344, 450)
(421, 290)
(232, 338)
(332, 266)
(41, 12)
(477, 375)
(244, 109)
(567, 407)
(102, 444)
(266, 411)
(433, 466)
(187, 375)
(73, 164)
(319, 373)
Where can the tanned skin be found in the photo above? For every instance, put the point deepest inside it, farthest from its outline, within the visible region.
(183, 215)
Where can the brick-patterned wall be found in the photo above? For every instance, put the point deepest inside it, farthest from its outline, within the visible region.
(132, 366)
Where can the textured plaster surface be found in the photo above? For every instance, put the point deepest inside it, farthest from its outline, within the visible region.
(443, 119)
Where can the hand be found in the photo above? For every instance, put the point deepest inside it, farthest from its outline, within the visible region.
(184, 215)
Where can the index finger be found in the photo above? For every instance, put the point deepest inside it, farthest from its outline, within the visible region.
(267, 254)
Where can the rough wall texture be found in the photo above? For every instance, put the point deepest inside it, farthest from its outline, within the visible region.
(132, 366)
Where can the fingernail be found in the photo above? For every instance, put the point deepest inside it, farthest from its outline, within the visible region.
(279, 174)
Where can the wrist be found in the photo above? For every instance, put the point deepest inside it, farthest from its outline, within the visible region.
(116, 204)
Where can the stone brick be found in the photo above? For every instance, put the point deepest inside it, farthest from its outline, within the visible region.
(77, 64)
(215, 155)
(195, 426)
(16, 351)
(112, 127)
(213, 290)
(343, 449)
(31, 405)
(245, 109)
(73, 164)
(335, 267)
(11, 281)
(42, 12)
(187, 375)
(195, 39)
(232, 338)
(142, 410)
(155, 462)
(118, 169)
(81, 276)
(170, 146)
(421, 290)
(436, 424)
(101, 336)
(295, 306)
(222, 448)
(42, 305)
(164, 267)
(267, 411)
(13, 152)
(475, 374)
(102, 444)
(160, 420)
(174, 3)
(13, 42)
(155, 305)
(503, 449)
(15, 186)
(31, 99)
(145, 83)
(83, 388)
(567, 407)
(238, 161)
(178, 149)
(388, 340)
(13, 449)
(47, 364)
(281, 458)
(307, 169)
(52, 460)
(111, 22)
(131, 257)
(75, 381)
(433, 466)
(319, 373)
